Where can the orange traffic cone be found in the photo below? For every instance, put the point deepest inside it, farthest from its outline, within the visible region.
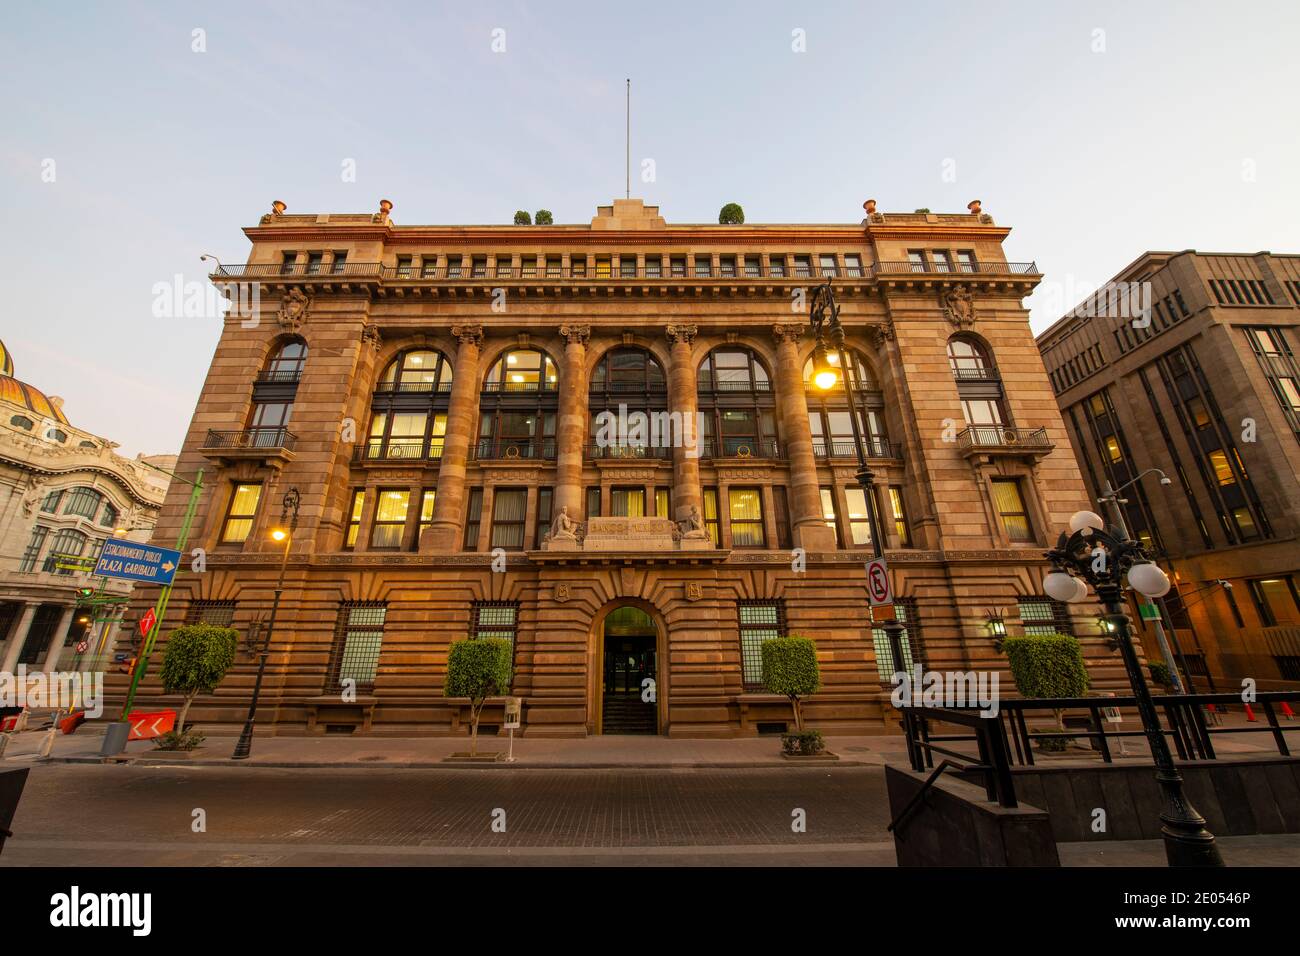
(1287, 712)
(1250, 714)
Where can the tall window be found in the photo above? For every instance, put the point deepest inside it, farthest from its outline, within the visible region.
(518, 407)
(354, 517)
(859, 518)
(545, 506)
(902, 527)
(427, 497)
(629, 377)
(33, 549)
(509, 506)
(68, 543)
(391, 508)
(1042, 615)
(274, 393)
(627, 502)
(829, 515)
(711, 516)
(409, 407)
(905, 612)
(286, 362)
(1276, 600)
(51, 503)
(499, 619)
(979, 386)
(760, 621)
(736, 404)
(357, 643)
(829, 413)
(84, 502)
(1013, 514)
(240, 513)
(473, 518)
(746, 515)
(1278, 364)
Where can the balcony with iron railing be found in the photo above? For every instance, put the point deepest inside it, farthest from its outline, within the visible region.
(627, 453)
(976, 375)
(740, 448)
(1004, 440)
(581, 273)
(960, 268)
(512, 449)
(412, 388)
(397, 450)
(270, 445)
(877, 448)
(506, 388)
(279, 376)
(300, 270)
(705, 384)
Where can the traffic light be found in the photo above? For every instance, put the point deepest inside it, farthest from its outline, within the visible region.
(86, 592)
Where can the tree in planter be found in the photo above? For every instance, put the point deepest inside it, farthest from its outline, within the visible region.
(731, 215)
(1047, 665)
(195, 661)
(478, 669)
(522, 218)
(544, 218)
(790, 669)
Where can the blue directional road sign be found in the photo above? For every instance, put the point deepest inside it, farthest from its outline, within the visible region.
(137, 562)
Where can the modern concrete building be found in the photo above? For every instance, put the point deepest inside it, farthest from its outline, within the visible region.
(1187, 363)
(63, 491)
(440, 396)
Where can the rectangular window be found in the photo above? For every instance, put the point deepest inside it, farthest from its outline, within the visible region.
(287, 263)
(662, 508)
(859, 517)
(478, 267)
(852, 265)
(1275, 600)
(965, 260)
(654, 268)
(916, 258)
(603, 268)
(403, 267)
(33, 549)
(356, 645)
(340, 263)
(51, 503)
(509, 508)
(354, 517)
(727, 267)
(1042, 615)
(703, 265)
(314, 260)
(678, 266)
(746, 512)
(752, 268)
(941, 261)
(627, 267)
(428, 266)
(240, 514)
(905, 612)
(499, 619)
(545, 499)
(1222, 468)
(826, 263)
(828, 513)
(760, 621)
(901, 525)
(504, 270)
(391, 507)
(1010, 505)
(578, 267)
(473, 518)
(776, 266)
(711, 516)
(453, 266)
(627, 502)
(593, 502)
(427, 498)
(802, 267)
(554, 267)
(216, 613)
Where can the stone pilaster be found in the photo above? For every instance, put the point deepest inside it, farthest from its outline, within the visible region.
(18, 637)
(807, 526)
(683, 401)
(571, 428)
(444, 532)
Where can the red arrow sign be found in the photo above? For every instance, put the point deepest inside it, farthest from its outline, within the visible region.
(147, 622)
(147, 726)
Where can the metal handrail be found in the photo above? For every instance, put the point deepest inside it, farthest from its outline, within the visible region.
(876, 448)
(629, 452)
(251, 438)
(740, 448)
(500, 449)
(1002, 436)
(971, 268)
(297, 270)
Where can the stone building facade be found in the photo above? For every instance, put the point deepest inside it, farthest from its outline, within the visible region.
(437, 394)
(1187, 362)
(63, 492)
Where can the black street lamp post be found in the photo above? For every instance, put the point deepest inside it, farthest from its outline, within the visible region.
(828, 333)
(1101, 557)
(262, 644)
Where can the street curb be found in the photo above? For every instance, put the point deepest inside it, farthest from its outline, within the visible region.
(449, 765)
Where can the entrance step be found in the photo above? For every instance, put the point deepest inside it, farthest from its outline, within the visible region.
(626, 714)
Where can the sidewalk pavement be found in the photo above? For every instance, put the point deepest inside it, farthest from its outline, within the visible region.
(551, 753)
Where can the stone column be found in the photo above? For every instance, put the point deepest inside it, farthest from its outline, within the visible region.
(571, 427)
(56, 642)
(807, 526)
(682, 401)
(444, 532)
(18, 638)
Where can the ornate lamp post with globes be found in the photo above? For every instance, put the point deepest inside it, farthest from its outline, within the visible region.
(262, 645)
(1092, 554)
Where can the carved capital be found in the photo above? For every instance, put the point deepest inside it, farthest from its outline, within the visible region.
(575, 334)
(468, 334)
(790, 332)
(371, 336)
(682, 334)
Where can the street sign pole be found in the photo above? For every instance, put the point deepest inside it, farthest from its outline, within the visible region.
(160, 607)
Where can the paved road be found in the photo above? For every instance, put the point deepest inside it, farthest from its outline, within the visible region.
(122, 815)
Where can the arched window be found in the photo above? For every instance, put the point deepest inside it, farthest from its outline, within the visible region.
(67, 543)
(408, 414)
(736, 402)
(517, 409)
(22, 421)
(83, 502)
(521, 370)
(628, 399)
(286, 362)
(979, 386)
(829, 415)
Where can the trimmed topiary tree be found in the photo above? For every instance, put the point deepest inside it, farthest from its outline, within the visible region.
(522, 218)
(478, 669)
(195, 661)
(544, 218)
(731, 215)
(1047, 665)
(790, 669)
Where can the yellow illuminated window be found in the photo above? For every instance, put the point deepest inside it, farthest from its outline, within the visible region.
(746, 510)
(390, 519)
(243, 508)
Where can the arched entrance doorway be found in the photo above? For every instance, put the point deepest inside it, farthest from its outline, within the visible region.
(629, 665)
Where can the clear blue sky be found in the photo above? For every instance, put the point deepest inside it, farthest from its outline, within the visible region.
(1181, 134)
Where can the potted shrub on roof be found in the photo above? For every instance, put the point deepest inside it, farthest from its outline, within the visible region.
(731, 215)
(544, 218)
(195, 662)
(478, 669)
(1045, 666)
(522, 218)
(790, 669)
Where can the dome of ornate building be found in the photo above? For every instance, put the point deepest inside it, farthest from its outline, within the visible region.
(14, 392)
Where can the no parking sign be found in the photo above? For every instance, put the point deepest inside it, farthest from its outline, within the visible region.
(878, 590)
